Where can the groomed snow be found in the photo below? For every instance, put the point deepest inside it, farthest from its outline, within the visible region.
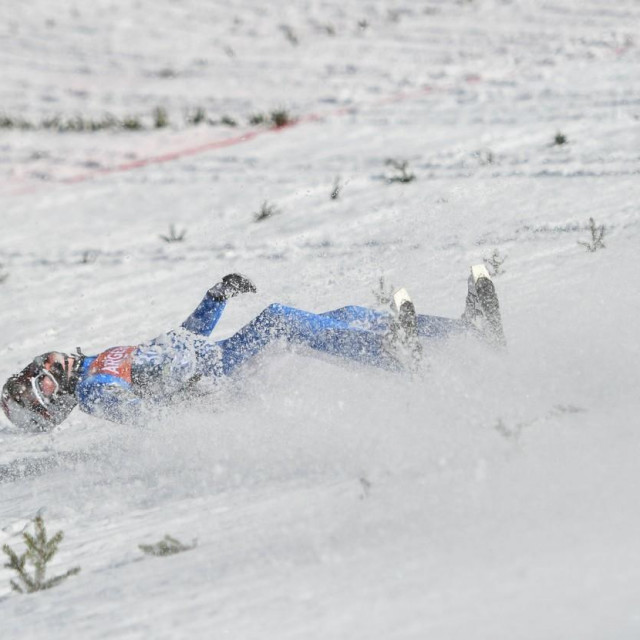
(488, 497)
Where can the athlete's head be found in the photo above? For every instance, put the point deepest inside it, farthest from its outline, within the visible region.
(41, 396)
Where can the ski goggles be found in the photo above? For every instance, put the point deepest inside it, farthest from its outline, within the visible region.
(39, 384)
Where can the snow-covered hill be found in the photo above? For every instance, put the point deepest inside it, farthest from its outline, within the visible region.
(486, 497)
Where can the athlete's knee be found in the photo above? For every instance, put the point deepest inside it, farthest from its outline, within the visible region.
(272, 319)
(274, 310)
(354, 311)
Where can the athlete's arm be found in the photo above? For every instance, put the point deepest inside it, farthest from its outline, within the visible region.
(207, 314)
(110, 398)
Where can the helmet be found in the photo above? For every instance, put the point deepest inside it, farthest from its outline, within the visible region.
(27, 406)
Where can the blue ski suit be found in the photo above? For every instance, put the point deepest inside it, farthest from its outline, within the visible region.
(120, 382)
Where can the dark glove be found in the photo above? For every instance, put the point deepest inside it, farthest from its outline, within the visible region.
(232, 285)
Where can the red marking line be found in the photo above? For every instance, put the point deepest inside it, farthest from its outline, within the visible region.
(167, 157)
(246, 137)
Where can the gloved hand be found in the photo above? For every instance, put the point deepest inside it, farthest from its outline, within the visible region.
(232, 285)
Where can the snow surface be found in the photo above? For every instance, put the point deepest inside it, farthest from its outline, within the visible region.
(487, 497)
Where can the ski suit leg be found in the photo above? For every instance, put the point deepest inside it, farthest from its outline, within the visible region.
(320, 332)
(427, 326)
(361, 317)
(438, 327)
(166, 364)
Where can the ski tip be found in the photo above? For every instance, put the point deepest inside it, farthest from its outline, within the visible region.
(479, 271)
(399, 297)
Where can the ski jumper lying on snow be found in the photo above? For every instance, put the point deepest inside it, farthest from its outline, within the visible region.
(121, 382)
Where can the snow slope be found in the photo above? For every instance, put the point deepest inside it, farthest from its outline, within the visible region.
(486, 497)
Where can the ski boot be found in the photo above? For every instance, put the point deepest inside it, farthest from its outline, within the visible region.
(403, 332)
(482, 310)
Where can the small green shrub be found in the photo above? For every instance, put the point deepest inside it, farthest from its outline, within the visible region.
(8, 122)
(228, 121)
(484, 157)
(267, 210)
(257, 119)
(337, 188)
(384, 293)
(54, 122)
(174, 235)
(276, 118)
(160, 118)
(494, 263)
(197, 117)
(167, 547)
(290, 35)
(132, 123)
(597, 236)
(402, 175)
(280, 117)
(39, 553)
(560, 139)
(107, 122)
(167, 73)
(89, 256)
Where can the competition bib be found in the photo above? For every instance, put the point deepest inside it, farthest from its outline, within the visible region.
(115, 362)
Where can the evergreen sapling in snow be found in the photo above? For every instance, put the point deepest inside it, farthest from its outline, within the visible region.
(337, 188)
(40, 551)
(167, 547)
(267, 211)
(597, 235)
(495, 262)
(280, 117)
(174, 235)
(160, 118)
(384, 293)
(402, 175)
(560, 139)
